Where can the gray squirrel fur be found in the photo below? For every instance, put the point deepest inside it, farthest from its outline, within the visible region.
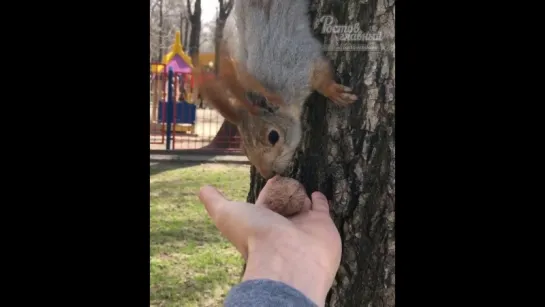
(272, 41)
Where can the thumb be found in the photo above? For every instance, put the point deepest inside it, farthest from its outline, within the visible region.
(319, 202)
(213, 200)
(224, 213)
(234, 220)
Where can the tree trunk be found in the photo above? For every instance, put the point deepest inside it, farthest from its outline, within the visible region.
(186, 34)
(195, 36)
(183, 29)
(227, 137)
(220, 25)
(349, 155)
(161, 32)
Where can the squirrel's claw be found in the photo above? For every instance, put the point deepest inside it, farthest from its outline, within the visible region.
(340, 94)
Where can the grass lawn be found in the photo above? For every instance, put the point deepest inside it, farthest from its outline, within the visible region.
(191, 264)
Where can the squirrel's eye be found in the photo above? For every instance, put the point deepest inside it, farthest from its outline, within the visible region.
(273, 137)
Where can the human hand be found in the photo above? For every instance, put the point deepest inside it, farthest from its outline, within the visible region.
(303, 251)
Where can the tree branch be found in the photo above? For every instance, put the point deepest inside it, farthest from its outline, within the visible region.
(153, 5)
(229, 7)
(189, 8)
(225, 8)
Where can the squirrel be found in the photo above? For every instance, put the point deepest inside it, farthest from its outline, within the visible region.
(270, 62)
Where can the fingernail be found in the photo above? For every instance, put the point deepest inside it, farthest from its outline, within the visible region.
(206, 186)
(207, 189)
(319, 195)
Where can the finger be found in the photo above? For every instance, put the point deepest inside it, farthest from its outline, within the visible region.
(233, 219)
(260, 201)
(225, 214)
(319, 202)
(212, 200)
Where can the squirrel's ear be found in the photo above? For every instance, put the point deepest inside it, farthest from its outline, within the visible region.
(260, 102)
(215, 93)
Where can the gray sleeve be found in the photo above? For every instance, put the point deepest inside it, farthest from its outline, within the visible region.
(264, 293)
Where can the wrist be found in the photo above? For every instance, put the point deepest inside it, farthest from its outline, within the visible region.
(271, 264)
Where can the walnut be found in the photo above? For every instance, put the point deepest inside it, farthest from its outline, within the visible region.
(283, 195)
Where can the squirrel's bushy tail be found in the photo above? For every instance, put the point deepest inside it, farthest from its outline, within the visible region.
(196, 72)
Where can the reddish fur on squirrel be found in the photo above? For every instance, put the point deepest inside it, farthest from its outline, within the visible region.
(284, 195)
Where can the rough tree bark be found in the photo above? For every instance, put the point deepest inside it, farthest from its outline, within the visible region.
(349, 154)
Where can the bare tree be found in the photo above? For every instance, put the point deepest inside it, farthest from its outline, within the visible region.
(208, 34)
(165, 17)
(349, 153)
(225, 7)
(194, 37)
(161, 32)
(227, 135)
(185, 25)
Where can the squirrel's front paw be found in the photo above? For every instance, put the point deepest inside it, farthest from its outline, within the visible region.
(340, 94)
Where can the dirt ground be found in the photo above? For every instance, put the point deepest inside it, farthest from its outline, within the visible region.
(208, 122)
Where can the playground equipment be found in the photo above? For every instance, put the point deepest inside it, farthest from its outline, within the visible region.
(173, 106)
(171, 91)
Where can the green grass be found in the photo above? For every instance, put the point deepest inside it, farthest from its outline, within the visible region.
(191, 264)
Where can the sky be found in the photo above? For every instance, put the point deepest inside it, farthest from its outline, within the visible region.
(208, 10)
